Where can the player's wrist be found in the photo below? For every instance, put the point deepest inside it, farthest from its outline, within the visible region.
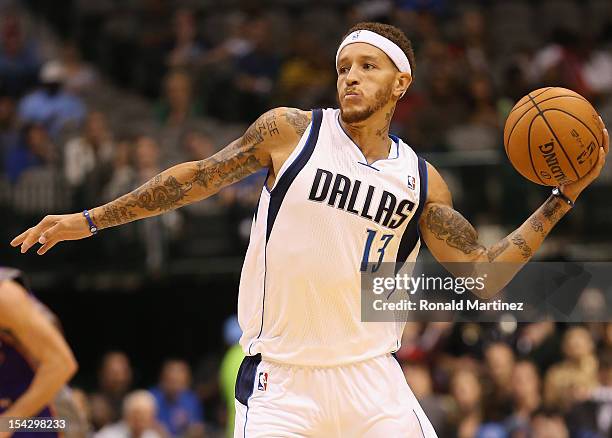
(93, 228)
(566, 198)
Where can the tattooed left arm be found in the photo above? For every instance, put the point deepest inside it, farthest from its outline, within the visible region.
(451, 238)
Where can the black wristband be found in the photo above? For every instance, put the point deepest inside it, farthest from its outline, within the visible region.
(92, 227)
(559, 194)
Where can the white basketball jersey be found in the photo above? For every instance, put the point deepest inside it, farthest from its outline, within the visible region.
(328, 214)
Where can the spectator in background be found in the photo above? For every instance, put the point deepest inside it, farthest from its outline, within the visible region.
(526, 393)
(466, 390)
(50, 104)
(19, 60)
(256, 71)
(146, 160)
(175, 113)
(138, 419)
(572, 380)
(179, 409)
(474, 41)
(305, 77)
(186, 48)
(101, 413)
(122, 173)
(499, 365)
(594, 415)
(228, 371)
(81, 78)
(114, 380)
(34, 149)
(178, 105)
(548, 424)
(87, 159)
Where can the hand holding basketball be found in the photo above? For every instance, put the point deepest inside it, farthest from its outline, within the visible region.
(574, 189)
(554, 137)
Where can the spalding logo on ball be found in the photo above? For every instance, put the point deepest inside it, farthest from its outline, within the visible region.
(552, 135)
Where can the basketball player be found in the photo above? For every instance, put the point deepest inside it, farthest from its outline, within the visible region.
(340, 192)
(35, 361)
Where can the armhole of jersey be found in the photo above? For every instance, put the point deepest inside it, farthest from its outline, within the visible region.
(294, 155)
(412, 234)
(283, 182)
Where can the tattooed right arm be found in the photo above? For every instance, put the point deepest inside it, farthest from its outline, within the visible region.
(265, 144)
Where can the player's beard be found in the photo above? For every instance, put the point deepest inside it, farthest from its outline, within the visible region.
(381, 98)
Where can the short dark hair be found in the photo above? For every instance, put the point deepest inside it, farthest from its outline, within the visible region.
(391, 33)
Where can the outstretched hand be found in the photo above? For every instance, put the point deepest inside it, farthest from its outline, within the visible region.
(52, 230)
(574, 189)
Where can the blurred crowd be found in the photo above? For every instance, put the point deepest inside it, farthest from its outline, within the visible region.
(534, 380)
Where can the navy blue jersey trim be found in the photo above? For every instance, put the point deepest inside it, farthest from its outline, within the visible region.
(419, 420)
(245, 381)
(412, 235)
(277, 194)
(368, 165)
(263, 299)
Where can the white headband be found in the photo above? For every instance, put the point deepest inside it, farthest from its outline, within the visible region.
(391, 49)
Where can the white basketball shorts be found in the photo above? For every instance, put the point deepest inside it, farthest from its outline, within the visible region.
(368, 399)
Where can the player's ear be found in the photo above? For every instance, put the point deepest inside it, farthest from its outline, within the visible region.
(402, 82)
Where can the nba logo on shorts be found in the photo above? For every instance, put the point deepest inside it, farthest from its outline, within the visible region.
(411, 182)
(262, 383)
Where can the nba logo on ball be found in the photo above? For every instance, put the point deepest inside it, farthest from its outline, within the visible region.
(262, 384)
(411, 182)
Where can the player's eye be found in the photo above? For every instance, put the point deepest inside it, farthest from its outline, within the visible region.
(368, 66)
(343, 70)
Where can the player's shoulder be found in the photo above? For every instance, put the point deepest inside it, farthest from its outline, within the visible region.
(437, 189)
(12, 295)
(292, 121)
(278, 130)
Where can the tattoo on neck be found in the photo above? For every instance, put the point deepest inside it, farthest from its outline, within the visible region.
(447, 224)
(520, 242)
(384, 131)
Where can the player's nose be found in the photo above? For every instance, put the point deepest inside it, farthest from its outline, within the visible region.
(352, 77)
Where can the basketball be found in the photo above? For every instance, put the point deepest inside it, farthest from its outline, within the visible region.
(552, 136)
